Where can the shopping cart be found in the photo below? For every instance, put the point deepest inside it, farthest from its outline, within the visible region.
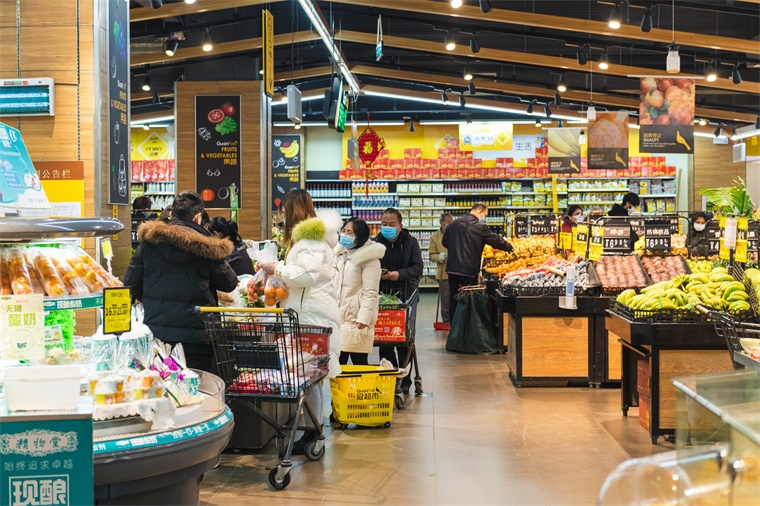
(267, 354)
(397, 326)
(363, 394)
(733, 331)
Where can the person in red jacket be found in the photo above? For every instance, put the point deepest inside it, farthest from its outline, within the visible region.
(573, 217)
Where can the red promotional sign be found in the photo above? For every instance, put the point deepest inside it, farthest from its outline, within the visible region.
(390, 326)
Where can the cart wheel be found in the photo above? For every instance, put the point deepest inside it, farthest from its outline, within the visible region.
(343, 426)
(311, 453)
(387, 424)
(399, 402)
(278, 485)
(418, 388)
(654, 440)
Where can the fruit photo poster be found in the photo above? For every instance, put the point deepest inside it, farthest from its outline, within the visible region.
(286, 166)
(217, 149)
(608, 141)
(564, 150)
(666, 115)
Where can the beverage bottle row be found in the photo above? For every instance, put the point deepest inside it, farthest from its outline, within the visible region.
(466, 204)
(329, 191)
(344, 209)
(471, 188)
(159, 188)
(423, 238)
(371, 187)
(376, 200)
(374, 215)
(160, 202)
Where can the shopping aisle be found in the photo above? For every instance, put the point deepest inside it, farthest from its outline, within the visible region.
(476, 440)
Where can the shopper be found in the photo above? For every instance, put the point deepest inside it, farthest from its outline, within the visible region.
(698, 241)
(177, 267)
(402, 268)
(465, 238)
(630, 201)
(309, 273)
(239, 260)
(594, 215)
(572, 218)
(437, 253)
(141, 209)
(358, 283)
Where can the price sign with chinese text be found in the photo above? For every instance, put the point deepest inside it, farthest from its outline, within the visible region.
(117, 310)
(657, 236)
(596, 246)
(581, 240)
(22, 327)
(713, 237)
(542, 225)
(742, 227)
(753, 232)
(617, 238)
(521, 226)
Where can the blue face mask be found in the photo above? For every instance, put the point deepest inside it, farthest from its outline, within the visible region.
(347, 241)
(389, 233)
(482, 220)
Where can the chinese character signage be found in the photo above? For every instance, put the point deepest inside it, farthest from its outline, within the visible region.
(117, 310)
(485, 137)
(742, 228)
(608, 141)
(217, 148)
(596, 245)
(20, 187)
(617, 238)
(581, 240)
(287, 159)
(542, 225)
(46, 461)
(391, 325)
(666, 115)
(564, 150)
(118, 101)
(657, 235)
(22, 322)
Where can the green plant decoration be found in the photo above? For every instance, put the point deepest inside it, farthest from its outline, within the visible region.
(731, 199)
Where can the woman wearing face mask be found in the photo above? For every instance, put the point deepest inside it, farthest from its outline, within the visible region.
(358, 283)
(698, 242)
(574, 216)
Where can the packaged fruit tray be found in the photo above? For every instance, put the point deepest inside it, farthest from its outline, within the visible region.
(620, 272)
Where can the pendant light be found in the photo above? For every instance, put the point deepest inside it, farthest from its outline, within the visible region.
(591, 112)
(673, 61)
(467, 74)
(616, 17)
(647, 22)
(582, 54)
(582, 138)
(561, 85)
(450, 42)
(604, 61)
(711, 73)
(146, 82)
(207, 44)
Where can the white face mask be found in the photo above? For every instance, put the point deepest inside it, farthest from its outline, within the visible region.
(699, 226)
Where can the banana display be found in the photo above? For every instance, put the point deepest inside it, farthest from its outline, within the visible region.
(718, 289)
(705, 266)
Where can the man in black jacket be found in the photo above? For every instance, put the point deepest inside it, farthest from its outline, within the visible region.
(178, 266)
(630, 201)
(464, 238)
(402, 269)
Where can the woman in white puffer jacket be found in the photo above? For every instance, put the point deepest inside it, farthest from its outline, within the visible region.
(358, 283)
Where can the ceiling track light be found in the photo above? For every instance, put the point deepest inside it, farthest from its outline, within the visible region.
(757, 123)
(462, 101)
(485, 6)
(673, 62)
(718, 130)
(604, 61)
(616, 17)
(711, 73)
(411, 125)
(455, 4)
(469, 120)
(561, 86)
(547, 111)
(445, 98)
(557, 99)
(647, 22)
(170, 47)
(146, 81)
(297, 126)
(156, 4)
(156, 98)
(703, 122)
(474, 45)
(471, 88)
(146, 126)
(538, 123)
(560, 124)
(529, 111)
(450, 42)
(582, 54)
(582, 138)
(736, 75)
(207, 44)
(467, 75)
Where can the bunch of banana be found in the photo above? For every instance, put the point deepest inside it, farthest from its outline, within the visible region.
(717, 289)
(705, 266)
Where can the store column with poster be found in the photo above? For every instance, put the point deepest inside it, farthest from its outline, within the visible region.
(64, 186)
(217, 148)
(666, 115)
(286, 166)
(118, 101)
(607, 141)
(564, 150)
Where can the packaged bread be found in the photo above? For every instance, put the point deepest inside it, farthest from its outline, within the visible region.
(91, 278)
(21, 282)
(5, 279)
(37, 286)
(74, 284)
(53, 283)
(110, 280)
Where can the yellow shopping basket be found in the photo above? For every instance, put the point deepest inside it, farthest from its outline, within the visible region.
(363, 395)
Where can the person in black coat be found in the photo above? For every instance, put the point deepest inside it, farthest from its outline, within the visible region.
(465, 238)
(177, 267)
(630, 201)
(239, 260)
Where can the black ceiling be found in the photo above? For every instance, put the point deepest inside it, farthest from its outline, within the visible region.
(726, 18)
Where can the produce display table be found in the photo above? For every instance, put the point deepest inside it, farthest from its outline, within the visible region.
(669, 350)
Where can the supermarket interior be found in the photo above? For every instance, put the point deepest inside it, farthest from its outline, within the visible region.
(184, 185)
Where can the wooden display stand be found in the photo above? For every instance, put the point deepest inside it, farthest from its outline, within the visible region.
(670, 350)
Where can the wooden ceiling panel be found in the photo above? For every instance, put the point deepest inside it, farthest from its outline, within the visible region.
(174, 10)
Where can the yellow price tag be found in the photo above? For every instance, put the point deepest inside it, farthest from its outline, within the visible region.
(581, 240)
(724, 253)
(117, 310)
(566, 240)
(105, 248)
(596, 246)
(740, 255)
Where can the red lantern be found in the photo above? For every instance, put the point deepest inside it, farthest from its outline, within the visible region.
(370, 145)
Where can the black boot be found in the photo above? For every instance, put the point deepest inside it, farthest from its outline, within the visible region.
(299, 447)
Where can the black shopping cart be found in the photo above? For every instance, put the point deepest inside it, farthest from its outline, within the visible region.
(733, 330)
(397, 326)
(267, 354)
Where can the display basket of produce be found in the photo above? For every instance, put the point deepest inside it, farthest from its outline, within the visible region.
(618, 273)
(548, 279)
(268, 355)
(526, 252)
(664, 267)
(677, 300)
(363, 394)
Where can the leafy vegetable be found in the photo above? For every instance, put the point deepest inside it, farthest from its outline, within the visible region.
(389, 299)
(227, 126)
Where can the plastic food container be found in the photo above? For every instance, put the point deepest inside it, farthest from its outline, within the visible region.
(36, 388)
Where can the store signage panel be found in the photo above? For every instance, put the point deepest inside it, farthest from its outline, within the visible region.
(657, 237)
(267, 50)
(20, 186)
(564, 150)
(117, 310)
(666, 115)
(521, 226)
(542, 225)
(485, 137)
(713, 237)
(596, 243)
(287, 157)
(753, 233)
(218, 150)
(581, 240)
(607, 139)
(27, 97)
(22, 323)
(617, 238)
(118, 102)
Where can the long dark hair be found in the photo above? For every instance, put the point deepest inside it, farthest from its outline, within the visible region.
(227, 229)
(296, 206)
(361, 231)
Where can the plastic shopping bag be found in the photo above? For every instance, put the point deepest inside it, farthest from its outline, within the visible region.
(256, 289)
(472, 330)
(274, 291)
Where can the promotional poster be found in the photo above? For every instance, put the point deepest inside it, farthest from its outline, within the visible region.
(564, 150)
(608, 141)
(666, 115)
(217, 148)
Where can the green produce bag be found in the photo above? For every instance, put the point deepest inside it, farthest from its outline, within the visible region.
(472, 330)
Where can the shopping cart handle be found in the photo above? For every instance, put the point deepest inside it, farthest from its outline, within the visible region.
(703, 309)
(257, 310)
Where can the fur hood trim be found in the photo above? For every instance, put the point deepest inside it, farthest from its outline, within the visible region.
(324, 227)
(185, 238)
(370, 251)
(333, 223)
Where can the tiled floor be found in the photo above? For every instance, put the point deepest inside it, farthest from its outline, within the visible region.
(476, 440)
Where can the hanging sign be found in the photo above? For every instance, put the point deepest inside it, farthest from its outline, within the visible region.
(608, 141)
(713, 237)
(617, 238)
(267, 51)
(217, 148)
(742, 227)
(581, 240)
(541, 225)
(286, 166)
(22, 323)
(485, 137)
(596, 245)
(752, 237)
(379, 39)
(117, 310)
(564, 150)
(657, 236)
(666, 115)
(118, 102)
